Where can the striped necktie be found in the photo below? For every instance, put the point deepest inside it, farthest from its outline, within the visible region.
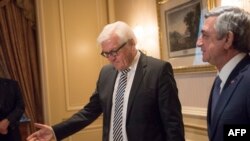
(119, 98)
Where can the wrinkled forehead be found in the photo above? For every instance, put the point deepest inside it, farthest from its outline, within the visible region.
(112, 39)
(110, 44)
(209, 24)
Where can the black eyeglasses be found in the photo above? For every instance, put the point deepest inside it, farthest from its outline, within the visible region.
(113, 53)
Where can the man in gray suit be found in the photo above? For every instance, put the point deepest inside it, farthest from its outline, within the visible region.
(225, 43)
(149, 104)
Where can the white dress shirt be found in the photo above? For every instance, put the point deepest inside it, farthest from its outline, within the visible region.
(228, 68)
(130, 78)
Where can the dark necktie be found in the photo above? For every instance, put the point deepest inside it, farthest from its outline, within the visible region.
(216, 94)
(119, 99)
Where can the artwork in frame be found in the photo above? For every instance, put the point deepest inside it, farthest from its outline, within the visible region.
(182, 28)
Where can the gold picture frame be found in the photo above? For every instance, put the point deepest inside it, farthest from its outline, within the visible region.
(195, 69)
(182, 28)
(186, 64)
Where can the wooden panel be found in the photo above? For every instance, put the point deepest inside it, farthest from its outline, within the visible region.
(194, 89)
(195, 128)
(79, 31)
(70, 60)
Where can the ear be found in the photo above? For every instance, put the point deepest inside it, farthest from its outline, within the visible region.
(229, 40)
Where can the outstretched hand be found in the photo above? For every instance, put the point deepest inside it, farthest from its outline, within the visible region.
(45, 133)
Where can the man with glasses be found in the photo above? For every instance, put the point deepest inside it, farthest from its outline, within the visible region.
(136, 94)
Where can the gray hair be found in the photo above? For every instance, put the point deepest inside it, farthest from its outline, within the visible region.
(237, 21)
(119, 28)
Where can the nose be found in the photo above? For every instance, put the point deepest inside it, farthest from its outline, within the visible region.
(110, 57)
(199, 42)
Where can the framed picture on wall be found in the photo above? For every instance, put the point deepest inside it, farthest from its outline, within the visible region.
(182, 28)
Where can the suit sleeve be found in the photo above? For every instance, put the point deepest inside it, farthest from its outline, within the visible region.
(79, 120)
(18, 105)
(170, 107)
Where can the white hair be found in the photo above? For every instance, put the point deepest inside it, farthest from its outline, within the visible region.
(120, 29)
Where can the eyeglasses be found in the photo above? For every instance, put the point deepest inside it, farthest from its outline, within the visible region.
(113, 53)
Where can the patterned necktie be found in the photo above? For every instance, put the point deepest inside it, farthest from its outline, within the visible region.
(119, 98)
(216, 93)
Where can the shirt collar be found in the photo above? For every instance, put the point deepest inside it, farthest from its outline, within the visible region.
(135, 61)
(229, 66)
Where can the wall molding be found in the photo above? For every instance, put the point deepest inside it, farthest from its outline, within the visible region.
(195, 123)
(194, 111)
(69, 101)
(91, 128)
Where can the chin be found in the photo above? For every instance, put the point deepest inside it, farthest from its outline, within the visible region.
(118, 68)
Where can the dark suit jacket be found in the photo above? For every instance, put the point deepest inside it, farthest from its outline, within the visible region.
(154, 110)
(233, 107)
(11, 105)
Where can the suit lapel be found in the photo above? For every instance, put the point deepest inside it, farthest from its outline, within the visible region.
(209, 111)
(140, 71)
(227, 92)
(223, 101)
(110, 88)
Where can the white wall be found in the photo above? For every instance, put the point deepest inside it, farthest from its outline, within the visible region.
(141, 15)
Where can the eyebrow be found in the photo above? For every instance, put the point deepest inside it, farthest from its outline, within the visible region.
(203, 31)
(115, 49)
(119, 47)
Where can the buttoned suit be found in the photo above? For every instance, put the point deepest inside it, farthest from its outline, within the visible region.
(154, 110)
(233, 106)
(11, 107)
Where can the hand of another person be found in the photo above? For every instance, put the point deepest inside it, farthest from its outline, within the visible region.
(45, 133)
(4, 124)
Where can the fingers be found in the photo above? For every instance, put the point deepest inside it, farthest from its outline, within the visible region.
(40, 126)
(33, 136)
(45, 133)
(32, 139)
(36, 135)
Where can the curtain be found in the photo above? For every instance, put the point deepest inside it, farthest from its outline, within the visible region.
(19, 53)
(3, 67)
(211, 4)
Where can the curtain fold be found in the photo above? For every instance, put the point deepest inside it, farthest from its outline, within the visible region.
(211, 4)
(3, 67)
(3, 2)
(28, 9)
(20, 53)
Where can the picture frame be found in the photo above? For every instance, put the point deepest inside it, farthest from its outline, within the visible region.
(182, 28)
(184, 60)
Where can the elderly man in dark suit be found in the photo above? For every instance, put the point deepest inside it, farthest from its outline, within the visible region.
(137, 95)
(225, 43)
(11, 110)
